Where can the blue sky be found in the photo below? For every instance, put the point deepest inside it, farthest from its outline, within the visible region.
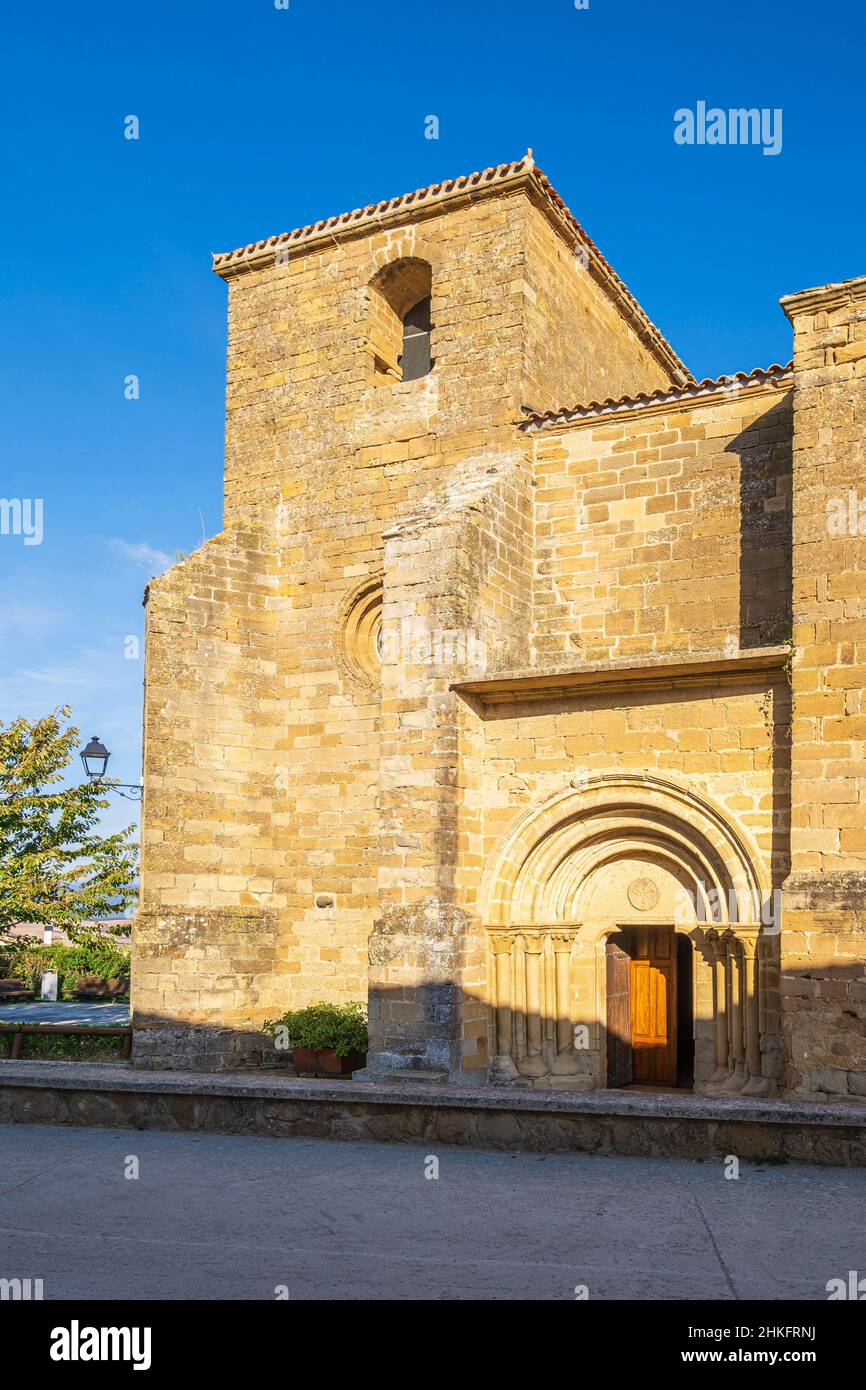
(254, 120)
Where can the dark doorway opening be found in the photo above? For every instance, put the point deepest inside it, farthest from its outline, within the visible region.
(685, 1013)
(650, 1008)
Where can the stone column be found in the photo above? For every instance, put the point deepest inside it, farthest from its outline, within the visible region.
(564, 1061)
(749, 938)
(564, 1021)
(534, 1064)
(737, 1080)
(549, 1025)
(719, 950)
(519, 1001)
(503, 1068)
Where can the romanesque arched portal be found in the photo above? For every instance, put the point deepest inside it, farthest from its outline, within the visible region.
(628, 859)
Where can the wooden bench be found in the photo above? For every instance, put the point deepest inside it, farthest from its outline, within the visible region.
(92, 987)
(13, 989)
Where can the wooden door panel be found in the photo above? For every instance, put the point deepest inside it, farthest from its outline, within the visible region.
(619, 1056)
(651, 993)
(653, 1007)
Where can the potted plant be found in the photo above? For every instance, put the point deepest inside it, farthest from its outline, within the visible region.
(328, 1038)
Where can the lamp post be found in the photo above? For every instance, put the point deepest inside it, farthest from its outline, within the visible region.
(95, 760)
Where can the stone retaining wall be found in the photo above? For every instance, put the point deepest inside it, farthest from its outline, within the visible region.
(625, 1123)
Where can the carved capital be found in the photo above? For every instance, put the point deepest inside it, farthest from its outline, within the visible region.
(748, 938)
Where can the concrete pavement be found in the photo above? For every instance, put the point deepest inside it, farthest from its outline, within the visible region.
(213, 1217)
(85, 1015)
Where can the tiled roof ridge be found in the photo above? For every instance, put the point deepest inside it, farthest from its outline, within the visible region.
(225, 263)
(421, 197)
(706, 387)
(654, 333)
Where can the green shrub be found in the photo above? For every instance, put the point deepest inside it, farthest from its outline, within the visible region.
(63, 1049)
(342, 1027)
(92, 954)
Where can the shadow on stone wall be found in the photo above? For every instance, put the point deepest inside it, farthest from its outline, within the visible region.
(162, 1043)
(780, 843)
(824, 1028)
(765, 455)
(434, 1032)
(414, 1029)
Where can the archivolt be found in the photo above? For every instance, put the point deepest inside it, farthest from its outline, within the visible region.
(541, 867)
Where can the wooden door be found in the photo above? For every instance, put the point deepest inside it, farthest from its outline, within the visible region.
(654, 1005)
(619, 1067)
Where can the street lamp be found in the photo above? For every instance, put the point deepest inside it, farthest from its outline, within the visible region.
(95, 759)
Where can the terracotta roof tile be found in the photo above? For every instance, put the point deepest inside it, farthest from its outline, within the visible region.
(709, 386)
(433, 193)
(518, 171)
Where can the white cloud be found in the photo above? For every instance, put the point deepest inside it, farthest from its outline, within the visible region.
(57, 675)
(146, 556)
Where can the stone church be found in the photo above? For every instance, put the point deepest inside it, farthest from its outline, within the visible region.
(521, 694)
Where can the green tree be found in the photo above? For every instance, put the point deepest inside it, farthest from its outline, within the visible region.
(55, 867)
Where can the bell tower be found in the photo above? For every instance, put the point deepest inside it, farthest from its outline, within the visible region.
(300, 799)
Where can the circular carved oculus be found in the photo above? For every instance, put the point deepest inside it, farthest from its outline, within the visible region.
(359, 643)
(643, 894)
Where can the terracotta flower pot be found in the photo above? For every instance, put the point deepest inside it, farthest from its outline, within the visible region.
(326, 1062)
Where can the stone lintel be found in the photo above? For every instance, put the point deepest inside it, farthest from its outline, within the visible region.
(609, 678)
